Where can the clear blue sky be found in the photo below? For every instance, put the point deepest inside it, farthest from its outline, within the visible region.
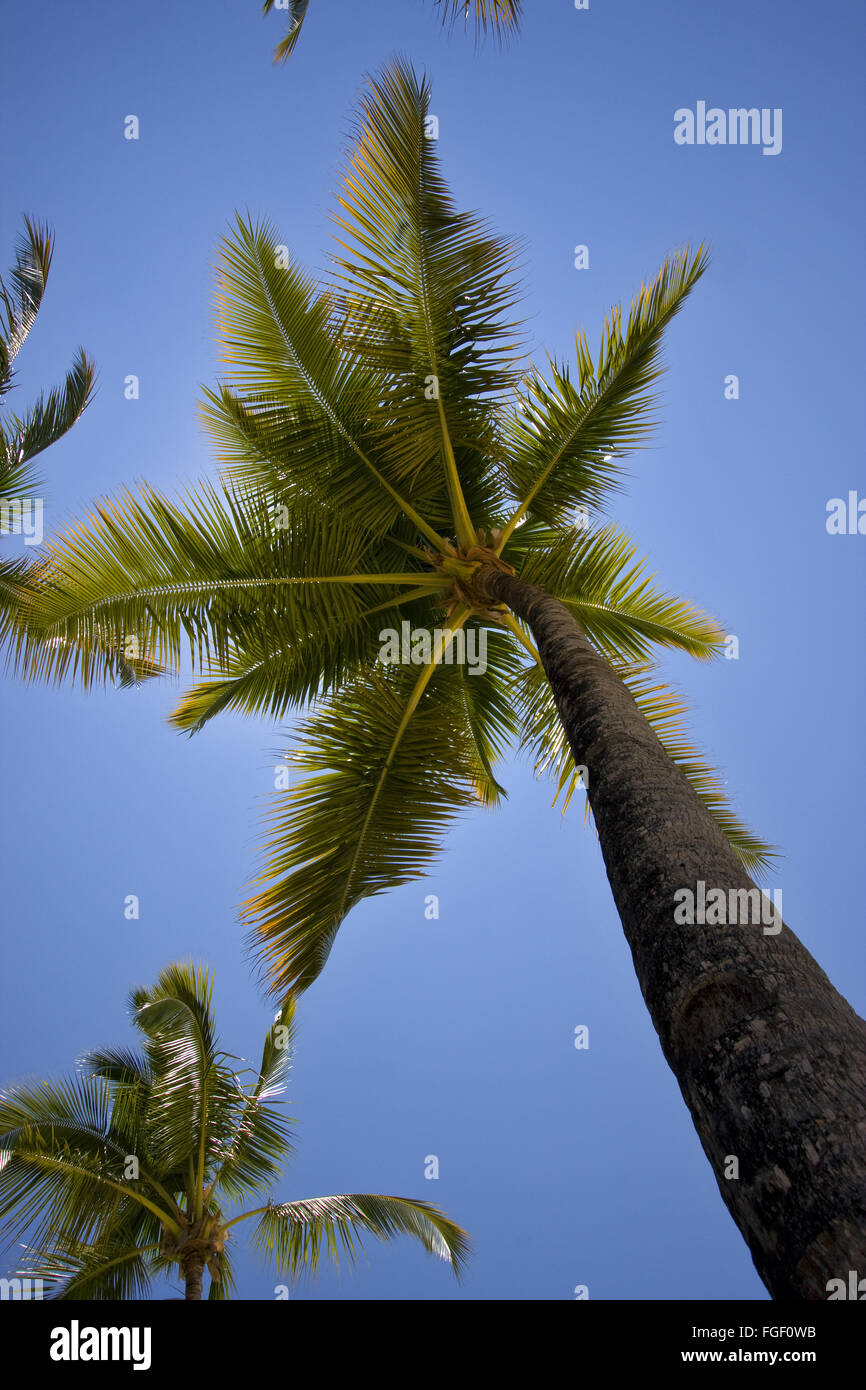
(454, 1037)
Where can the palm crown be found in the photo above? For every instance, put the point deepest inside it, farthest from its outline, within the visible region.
(127, 1168)
(380, 440)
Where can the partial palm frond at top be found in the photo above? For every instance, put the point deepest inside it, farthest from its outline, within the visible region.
(381, 435)
(498, 17)
(296, 14)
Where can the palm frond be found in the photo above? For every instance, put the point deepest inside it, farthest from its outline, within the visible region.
(189, 1088)
(296, 14)
(422, 295)
(131, 1078)
(16, 591)
(564, 439)
(62, 1163)
(23, 438)
(362, 820)
(21, 296)
(208, 577)
(595, 574)
(223, 1283)
(308, 400)
(488, 710)
(120, 1065)
(111, 1270)
(498, 17)
(261, 1142)
(298, 1234)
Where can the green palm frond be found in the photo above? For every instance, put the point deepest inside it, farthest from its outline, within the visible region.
(223, 1283)
(362, 820)
(488, 710)
(16, 589)
(113, 1269)
(131, 1079)
(61, 1162)
(21, 295)
(298, 1234)
(310, 400)
(564, 438)
(595, 574)
(275, 668)
(194, 1097)
(261, 1141)
(296, 14)
(22, 438)
(148, 580)
(179, 1004)
(121, 1066)
(423, 291)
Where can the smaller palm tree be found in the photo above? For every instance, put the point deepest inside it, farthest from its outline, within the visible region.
(23, 437)
(497, 16)
(125, 1169)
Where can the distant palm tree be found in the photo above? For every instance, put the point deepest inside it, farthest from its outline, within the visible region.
(126, 1168)
(23, 437)
(498, 16)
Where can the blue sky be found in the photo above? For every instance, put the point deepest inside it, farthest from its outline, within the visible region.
(455, 1037)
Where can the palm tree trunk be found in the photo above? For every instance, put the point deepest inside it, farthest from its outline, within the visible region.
(193, 1269)
(770, 1059)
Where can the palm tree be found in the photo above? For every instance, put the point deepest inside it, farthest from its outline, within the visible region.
(498, 16)
(388, 459)
(23, 438)
(131, 1167)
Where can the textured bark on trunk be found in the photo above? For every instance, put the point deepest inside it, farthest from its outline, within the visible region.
(770, 1058)
(192, 1272)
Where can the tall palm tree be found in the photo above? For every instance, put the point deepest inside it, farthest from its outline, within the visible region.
(387, 458)
(134, 1166)
(500, 17)
(24, 437)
